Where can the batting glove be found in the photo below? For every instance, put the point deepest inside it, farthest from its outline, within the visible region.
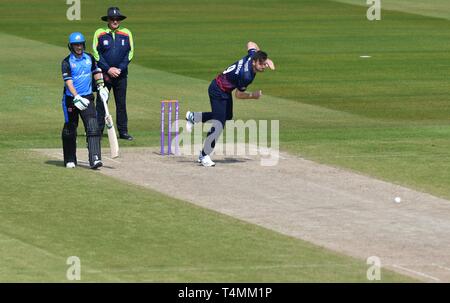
(80, 102)
(103, 92)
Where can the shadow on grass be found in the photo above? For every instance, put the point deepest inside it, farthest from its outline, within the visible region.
(184, 159)
(55, 163)
(81, 164)
(232, 160)
(221, 161)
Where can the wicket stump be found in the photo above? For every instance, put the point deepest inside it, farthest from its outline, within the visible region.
(169, 104)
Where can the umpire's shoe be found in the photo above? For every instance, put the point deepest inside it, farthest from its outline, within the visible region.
(126, 136)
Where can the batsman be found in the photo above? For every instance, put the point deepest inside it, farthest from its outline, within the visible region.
(79, 71)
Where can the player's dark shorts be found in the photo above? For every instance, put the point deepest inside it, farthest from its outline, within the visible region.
(221, 110)
(71, 112)
(215, 91)
(221, 103)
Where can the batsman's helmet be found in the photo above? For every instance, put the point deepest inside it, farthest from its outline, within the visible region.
(76, 38)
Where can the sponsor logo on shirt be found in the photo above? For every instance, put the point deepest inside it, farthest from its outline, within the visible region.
(246, 65)
(239, 67)
(82, 75)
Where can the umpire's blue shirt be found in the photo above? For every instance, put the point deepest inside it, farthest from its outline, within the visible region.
(113, 49)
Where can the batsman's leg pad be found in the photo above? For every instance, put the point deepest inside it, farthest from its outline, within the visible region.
(69, 139)
(100, 114)
(93, 140)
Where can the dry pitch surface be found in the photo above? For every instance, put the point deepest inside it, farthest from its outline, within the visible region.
(330, 207)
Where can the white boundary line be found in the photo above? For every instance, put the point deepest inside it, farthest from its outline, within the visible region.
(441, 267)
(416, 272)
(111, 159)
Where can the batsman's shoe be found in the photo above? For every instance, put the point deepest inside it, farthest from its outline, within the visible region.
(189, 121)
(206, 161)
(97, 164)
(70, 165)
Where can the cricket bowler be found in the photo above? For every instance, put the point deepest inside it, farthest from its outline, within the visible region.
(238, 76)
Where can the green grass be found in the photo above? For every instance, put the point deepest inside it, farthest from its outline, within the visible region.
(122, 232)
(433, 8)
(401, 91)
(385, 116)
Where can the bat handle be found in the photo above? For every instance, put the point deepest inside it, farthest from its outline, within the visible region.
(105, 105)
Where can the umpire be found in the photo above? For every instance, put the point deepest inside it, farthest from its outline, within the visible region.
(113, 49)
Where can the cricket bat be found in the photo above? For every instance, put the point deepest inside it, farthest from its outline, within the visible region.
(114, 145)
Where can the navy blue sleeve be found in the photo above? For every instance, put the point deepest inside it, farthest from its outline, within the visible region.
(251, 52)
(66, 70)
(124, 63)
(103, 65)
(102, 62)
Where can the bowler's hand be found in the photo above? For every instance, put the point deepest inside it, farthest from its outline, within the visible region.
(269, 64)
(257, 94)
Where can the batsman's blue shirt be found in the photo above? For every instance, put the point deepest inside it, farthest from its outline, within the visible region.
(80, 71)
(239, 75)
